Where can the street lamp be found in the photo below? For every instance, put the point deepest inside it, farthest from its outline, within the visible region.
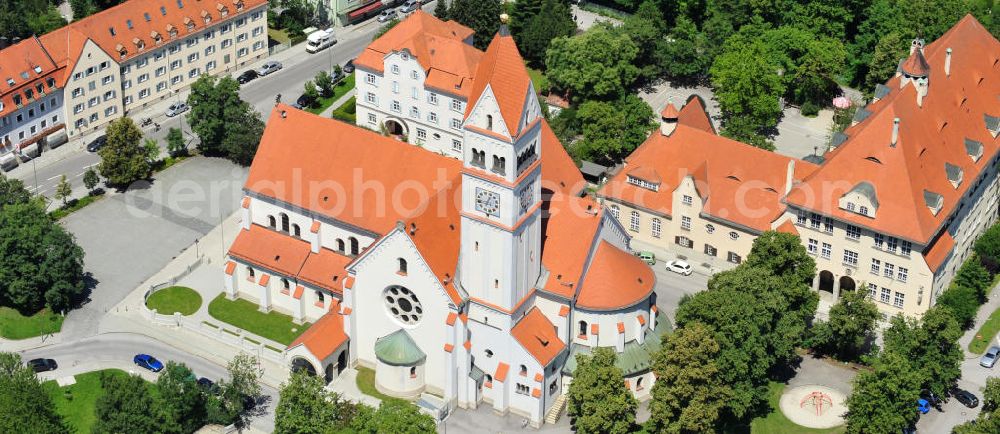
(178, 93)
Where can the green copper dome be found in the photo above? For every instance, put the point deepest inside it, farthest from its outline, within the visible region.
(398, 349)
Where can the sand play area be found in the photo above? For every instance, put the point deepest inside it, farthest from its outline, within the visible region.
(814, 406)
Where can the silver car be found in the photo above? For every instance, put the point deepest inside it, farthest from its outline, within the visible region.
(176, 109)
(990, 358)
(387, 15)
(269, 67)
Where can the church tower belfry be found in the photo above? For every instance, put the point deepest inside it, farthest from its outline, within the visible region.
(501, 180)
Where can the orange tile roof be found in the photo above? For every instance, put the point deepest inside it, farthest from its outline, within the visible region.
(448, 348)
(435, 232)
(464, 317)
(929, 136)
(559, 172)
(315, 226)
(539, 377)
(788, 227)
(738, 182)
(621, 327)
(438, 45)
(501, 372)
(246, 202)
(916, 64)
(594, 329)
(230, 267)
(299, 289)
(695, 115)
(332, 146)
(452, 316)
(269, 249)
(129, 22)
(563, 310)
(323, 337)
(939, 250)
(642, 320)
(325, 270)
(538, 336)
(467, 345)
(567, 237)
(264, 279)
(670, 112)
(615, 279)
(28, 65)
(536, 392)
(502, 69)
(349, 282)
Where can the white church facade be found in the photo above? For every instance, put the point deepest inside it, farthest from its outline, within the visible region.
(475, 273)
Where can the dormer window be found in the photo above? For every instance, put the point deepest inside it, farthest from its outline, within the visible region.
(206, 16)
(38, 70)
(28, 93)
(992, 124)
(171, 30)
(189, 23)
(163, 11)
(934, 201)
(156, 36)
(17, 100)
(954, 173)
(128, 23)
(238, 4)
(10, 82)
(51, 82)
(121, 50)
(974, 149)
(223, 10)
(139, 43)
(642, 183)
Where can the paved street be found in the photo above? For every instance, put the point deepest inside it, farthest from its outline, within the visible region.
(115, 350)
(670, 287)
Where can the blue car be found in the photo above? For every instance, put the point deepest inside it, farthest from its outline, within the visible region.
(148, 362)
(923, 406)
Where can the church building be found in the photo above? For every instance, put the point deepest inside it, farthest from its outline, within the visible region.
(475, 274)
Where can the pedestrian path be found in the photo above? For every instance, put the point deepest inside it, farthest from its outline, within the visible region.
(339, 102)
(991, 305)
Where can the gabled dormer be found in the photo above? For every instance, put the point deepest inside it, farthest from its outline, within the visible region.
(861, 199)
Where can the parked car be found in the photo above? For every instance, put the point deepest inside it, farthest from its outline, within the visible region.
(42, 365)
(269, 67)
(387, 15)
(680, 267)
(176, 109)
(247, 76)
(409, 6)
(146, 361)
(208, 385)
(931, 398)
(990, 358)
(647, 257)
(349, 67)
(319, 40)
(97, 144)
(965, 397)
(923, 406)
(304, 101)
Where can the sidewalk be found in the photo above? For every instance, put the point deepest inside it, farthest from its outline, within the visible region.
(339, 102)
(991, 305)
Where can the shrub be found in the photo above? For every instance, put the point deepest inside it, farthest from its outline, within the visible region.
(988, 248)
(809, 109)
(973, 275)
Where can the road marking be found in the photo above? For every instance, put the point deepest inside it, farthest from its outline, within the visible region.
(54, 177)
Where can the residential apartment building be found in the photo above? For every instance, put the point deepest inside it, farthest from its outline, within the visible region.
(893, 211)
(140, 52)
(31, 101)
(415, 81)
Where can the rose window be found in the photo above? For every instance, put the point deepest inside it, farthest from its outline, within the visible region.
(403, 304)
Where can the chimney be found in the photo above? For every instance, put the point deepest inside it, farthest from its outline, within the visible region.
(921, 86)
(668, 119)
(916, 44)
(947, 62)
(789, 175)
(895, 132)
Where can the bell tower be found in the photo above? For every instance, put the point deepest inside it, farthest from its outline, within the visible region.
(501, 180)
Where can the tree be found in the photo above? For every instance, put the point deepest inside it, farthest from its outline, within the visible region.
(988, 248)
(883, 399)
(684, 56)
(152, 150)
(24, 18)
(91, 179)
(688, 395)
(931, 346)
(646, 30)
(814, 77)
(310, 93)
(852, 324)
(82, 8)
(27, 407)
(890, 48)
(126, 406)
(244, 383)
(393, 416)
(554, 19)
(63, 190)
(12, 191)
(612, 130)
(972, 274)
(598, 399)
(43, 266)
(175, 142)
(482, 16)
(181, 399)
(325, 83)
(441, 9)
(963, 302)
(243, 135)
(783, 255)
(213, 101)
(598, 64)
(748, 88)
(304, 406)
(123, 161)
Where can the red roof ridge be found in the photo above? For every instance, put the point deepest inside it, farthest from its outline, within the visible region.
(538, 336)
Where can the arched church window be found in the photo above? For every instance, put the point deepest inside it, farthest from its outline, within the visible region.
(583, 328)
(413, 372)
(296, 231)
(285, 284)
(340, 245)
(250, 273)
(402, 266)
(354, 246)
(489, 122)
(489, 353)
(524, 371)
(320, 297)
(272, 222)
(403, 304)
(284, 222)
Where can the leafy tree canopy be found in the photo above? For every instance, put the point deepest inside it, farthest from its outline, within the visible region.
(126, 406)
(12, 191)
(181, 399)
(689, 395)
(598, 399)
(305, 407)
(883, 399)
(27, 407)
(482, 16)
(24, 18)
(393, 416)
(123, 159)
(598, 64)
(612, 130)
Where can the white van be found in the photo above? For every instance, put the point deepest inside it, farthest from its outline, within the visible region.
(319, 40)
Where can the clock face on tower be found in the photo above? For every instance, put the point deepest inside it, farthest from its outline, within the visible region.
(487, 202)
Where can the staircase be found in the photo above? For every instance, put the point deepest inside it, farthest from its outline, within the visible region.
(552, 416)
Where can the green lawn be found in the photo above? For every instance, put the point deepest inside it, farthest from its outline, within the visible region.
(74, 206)
(985, 334)
(339, 90)
(539, 80)
(347, 112)
(175, 299)
(13, 325)
(366, 382)
(278, 35)
(76, 403)
(777, 423)
(244, 314)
